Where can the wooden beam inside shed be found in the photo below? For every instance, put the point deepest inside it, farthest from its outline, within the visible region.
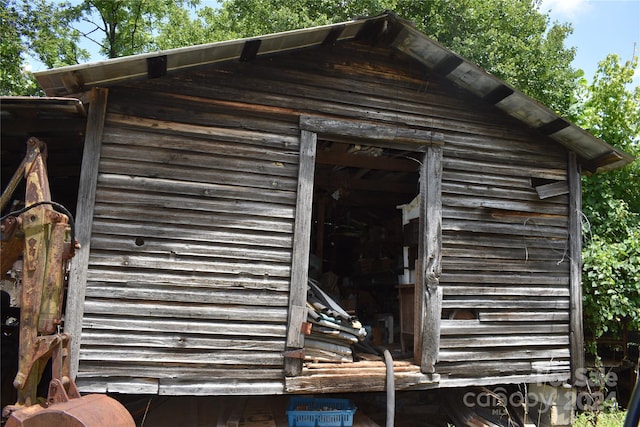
(366, 162)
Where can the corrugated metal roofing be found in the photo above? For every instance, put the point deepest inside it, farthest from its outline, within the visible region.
(595, 154)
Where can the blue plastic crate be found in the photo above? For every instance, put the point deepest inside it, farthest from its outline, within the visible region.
(320, 412)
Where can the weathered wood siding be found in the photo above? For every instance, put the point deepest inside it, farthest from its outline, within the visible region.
(191, 245)
(190, 251)
(505, 258)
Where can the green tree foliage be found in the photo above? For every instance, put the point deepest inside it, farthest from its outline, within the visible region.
(509, 38)
(52, 32)
(128, 27)
(42, 30)
(610, 109)
(246, 18)
(49, 33)
(14, 79)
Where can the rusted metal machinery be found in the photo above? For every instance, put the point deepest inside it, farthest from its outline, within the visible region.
(43, 234)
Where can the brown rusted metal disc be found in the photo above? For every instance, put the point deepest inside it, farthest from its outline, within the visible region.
(93, 410)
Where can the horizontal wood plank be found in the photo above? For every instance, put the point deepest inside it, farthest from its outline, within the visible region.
(185, 311)
(447, 355)
(504, 341)
(207, 326)
(475, 327)
(143, 291)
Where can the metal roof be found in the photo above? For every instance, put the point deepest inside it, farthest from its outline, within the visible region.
(595, 155)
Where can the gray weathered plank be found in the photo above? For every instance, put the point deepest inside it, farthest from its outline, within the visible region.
(84, 221)
(504, 341)
(222, 327)
(575, 275)
(475, 327)
(301, 249)
(430, 260)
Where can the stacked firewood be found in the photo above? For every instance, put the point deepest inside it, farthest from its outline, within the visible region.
(334, 332)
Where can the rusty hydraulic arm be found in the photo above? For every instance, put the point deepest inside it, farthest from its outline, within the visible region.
(40, 232)
(43, 234)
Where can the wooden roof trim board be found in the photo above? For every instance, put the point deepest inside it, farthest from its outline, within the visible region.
(56, 81)
(64, 106)
(524, 108)
(595, 155)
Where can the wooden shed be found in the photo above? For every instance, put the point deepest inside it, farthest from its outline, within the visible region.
(428, 194)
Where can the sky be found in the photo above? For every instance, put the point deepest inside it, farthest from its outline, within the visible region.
(600, 27)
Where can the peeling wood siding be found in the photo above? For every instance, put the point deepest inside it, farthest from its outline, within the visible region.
(195, 204)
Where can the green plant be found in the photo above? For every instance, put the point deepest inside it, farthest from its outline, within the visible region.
(608, 419)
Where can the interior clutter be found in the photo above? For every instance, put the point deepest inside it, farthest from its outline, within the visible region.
(363, 250)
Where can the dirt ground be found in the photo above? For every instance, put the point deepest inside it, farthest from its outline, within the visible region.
(413, 409)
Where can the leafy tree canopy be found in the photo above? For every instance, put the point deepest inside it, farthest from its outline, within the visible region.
(510, 38)
(14, 79)
(610, 109)
(52, 32)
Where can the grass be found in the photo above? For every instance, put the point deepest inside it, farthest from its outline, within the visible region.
(600, 419)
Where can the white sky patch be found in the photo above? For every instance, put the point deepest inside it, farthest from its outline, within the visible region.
(565, 9)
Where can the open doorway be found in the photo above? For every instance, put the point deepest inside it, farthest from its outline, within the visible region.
(360, 247)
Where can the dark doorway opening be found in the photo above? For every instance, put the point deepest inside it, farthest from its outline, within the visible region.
(359, 244)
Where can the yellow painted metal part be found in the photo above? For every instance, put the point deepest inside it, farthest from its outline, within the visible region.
(42, 236)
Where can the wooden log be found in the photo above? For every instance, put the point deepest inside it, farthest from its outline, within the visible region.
(480, 380)
(503, 169)
(508, 279)
(182, 372)
(119, 277)
(553, 189)
(219, 387)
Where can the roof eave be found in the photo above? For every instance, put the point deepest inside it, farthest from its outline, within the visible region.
(595, 154)
(75, 78)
